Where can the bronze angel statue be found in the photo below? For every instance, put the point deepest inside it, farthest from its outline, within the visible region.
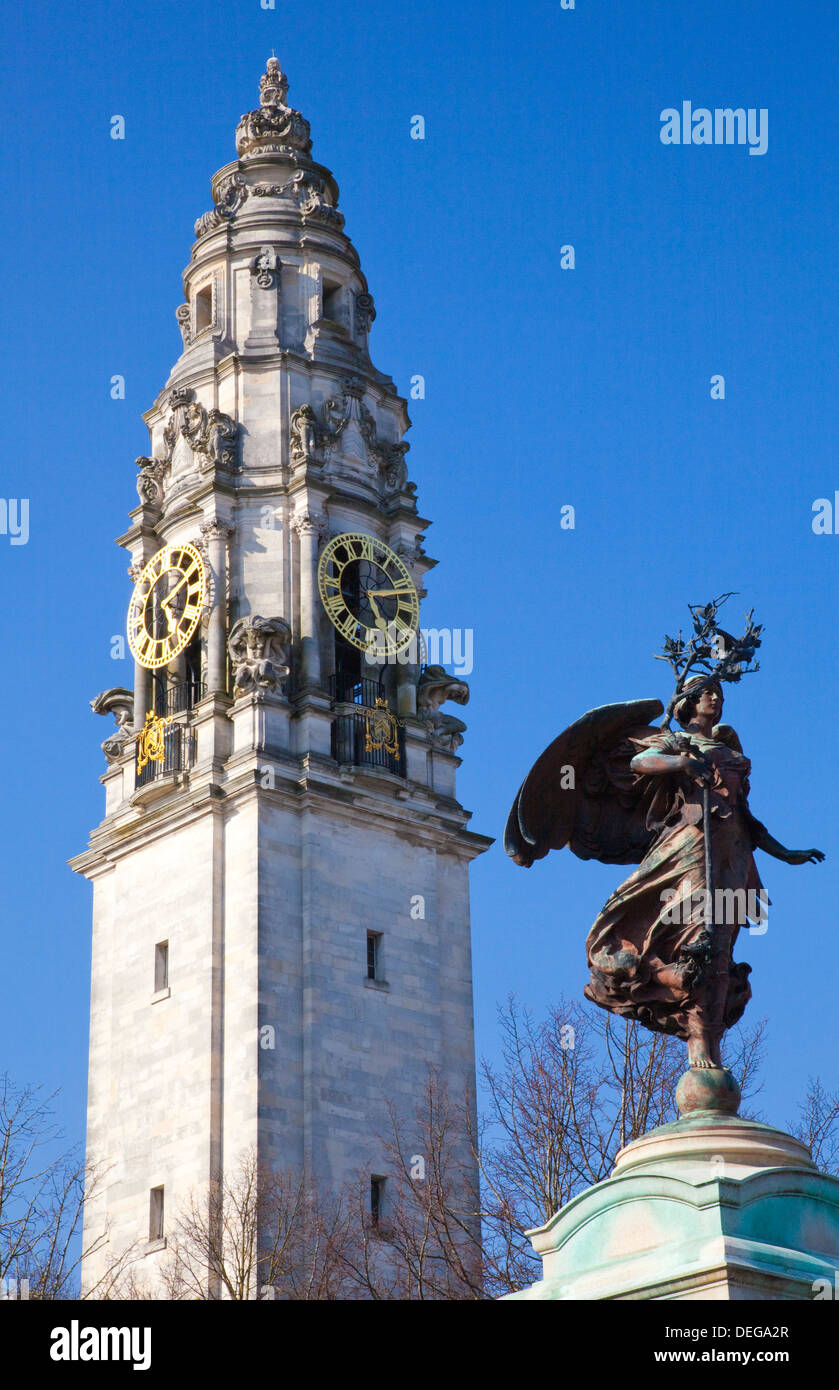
(676, 804)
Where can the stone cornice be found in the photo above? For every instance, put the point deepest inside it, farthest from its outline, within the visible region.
(314, 787)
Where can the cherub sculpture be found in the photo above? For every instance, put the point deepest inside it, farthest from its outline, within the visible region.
(613, 788)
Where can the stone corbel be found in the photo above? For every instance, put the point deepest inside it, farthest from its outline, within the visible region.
(365, 313)
(183, 314)
(120, 703)
(434, 688)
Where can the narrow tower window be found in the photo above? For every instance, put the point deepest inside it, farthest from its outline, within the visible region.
(374, 947)
(331, 301)
(161, 966)
(377, 1199)
(156, 1213)
(203, 308)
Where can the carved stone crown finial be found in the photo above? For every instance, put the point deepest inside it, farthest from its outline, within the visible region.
(274, 128)
(273, 84)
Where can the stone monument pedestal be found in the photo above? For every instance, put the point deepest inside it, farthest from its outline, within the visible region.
(710, 1207)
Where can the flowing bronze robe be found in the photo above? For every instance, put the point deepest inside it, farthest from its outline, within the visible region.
(646, 948)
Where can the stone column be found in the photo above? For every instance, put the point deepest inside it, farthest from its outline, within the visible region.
(309, 528)
(142, 676)
(216, 535)
(142, 695)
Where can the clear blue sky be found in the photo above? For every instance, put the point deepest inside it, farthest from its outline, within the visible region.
(544, 387)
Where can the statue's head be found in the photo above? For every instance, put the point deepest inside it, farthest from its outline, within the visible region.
(700, 696)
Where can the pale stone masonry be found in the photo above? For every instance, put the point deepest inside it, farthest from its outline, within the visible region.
(263, 851)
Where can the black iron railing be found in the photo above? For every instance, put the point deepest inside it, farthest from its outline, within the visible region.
(355, 690)
(178, 756)
(351, 743)
(174, 699)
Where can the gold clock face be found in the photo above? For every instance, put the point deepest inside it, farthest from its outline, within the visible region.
(166, 605)
(368, 593)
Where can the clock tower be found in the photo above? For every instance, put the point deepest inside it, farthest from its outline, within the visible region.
(281, 941)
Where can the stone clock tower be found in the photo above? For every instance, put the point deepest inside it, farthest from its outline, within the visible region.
(281, 907)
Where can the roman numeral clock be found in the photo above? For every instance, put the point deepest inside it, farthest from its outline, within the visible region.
(166, 605)
(368, 594)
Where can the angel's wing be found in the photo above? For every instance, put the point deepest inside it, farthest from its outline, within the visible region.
(578, 793)
(726, 734)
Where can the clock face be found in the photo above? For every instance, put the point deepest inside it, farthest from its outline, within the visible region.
(368, 593)
(166, 605)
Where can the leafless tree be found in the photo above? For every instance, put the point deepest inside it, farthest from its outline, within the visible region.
(42, 1186)
(425, 1242)
(259, 1234)
(819, 1125)
(566, 1096)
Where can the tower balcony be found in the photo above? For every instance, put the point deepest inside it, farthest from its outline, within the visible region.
(178, 756)
(365, 734)
(176, 699)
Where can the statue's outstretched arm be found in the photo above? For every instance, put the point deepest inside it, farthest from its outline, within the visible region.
(761, 839)
(650, 762)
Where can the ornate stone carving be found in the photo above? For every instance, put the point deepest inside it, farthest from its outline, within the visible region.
(270, 190)
(347, 430)
(303, 435)
(348, 422)
(446, 731)
(120, 703)
(221, 435)
(274, 128)
(228, 195)
(313, 201)
(394, 469)
(259, 651)
(273, 84)
(434, 687)
(265, 267)
(311, 193)
(210, 433)
(183, 314)
(150, 480)
(365, 312)
(310, 523)
(215, 530)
